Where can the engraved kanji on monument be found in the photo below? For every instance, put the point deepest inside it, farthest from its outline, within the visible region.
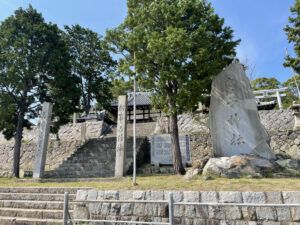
(235, 125)
(121, 136)
(43, 137)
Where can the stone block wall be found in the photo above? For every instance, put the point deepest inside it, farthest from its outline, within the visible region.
(56, 153)
(191, 214)
(71, 138)
(278, 123)
(66, 133)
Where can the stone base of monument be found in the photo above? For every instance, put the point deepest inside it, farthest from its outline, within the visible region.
(240, 165)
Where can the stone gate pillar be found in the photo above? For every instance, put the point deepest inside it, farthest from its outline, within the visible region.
(121, 136)
(43, 137)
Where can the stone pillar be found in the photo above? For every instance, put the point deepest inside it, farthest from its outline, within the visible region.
(279, 100)
(74, 118)
(43, 137)
(121, 136)
(83, 131)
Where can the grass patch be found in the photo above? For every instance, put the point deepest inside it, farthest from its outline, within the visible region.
(173, 182)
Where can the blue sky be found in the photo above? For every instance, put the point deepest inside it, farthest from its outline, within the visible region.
(258, 23)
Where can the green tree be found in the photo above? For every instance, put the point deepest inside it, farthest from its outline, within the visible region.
(291, 93)
(91, 64)
(178, 45)
(263, 83)
(34, 68)
(293, 35)
(120, 87)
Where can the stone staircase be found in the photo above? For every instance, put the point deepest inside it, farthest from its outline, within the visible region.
(96, 158)
(34, 206)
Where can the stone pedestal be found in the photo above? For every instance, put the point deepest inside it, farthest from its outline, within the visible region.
(235, 124)
(43, 137)
(121, 136)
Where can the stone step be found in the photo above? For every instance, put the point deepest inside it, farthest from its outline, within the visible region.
(47, 190)
(33, 213)
(27, 204)
(28, 221)
(84, 171)
(95, 173)
(81, 175)
(84, 164)
(34, 196)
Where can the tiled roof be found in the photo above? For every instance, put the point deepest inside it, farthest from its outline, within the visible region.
(142, 98)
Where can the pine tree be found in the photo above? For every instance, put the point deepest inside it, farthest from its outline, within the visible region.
(179, 45)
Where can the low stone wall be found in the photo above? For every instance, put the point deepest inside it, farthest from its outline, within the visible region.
(193, 215)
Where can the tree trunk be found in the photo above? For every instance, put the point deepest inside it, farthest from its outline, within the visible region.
(18, 141)
(177, 162)
(88, 105)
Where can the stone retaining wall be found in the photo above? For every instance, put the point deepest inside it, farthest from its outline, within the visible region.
(71, 138)
(66, 133)
(278, 123)
(193, 215)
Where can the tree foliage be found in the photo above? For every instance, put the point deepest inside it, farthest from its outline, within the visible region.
(263, 83)
(179, 45)
(91, 64)
(34, 68)
(293, 35)
(120, 87)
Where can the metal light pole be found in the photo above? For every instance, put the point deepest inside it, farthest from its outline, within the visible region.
(294, 75)
(134, 124)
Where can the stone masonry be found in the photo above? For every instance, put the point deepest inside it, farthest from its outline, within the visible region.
(278, 123)
(58, 150)
(193, 215)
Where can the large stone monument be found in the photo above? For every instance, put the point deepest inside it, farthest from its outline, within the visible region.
(234, 121)
(43, 137)
(121, 136)
(161, 149)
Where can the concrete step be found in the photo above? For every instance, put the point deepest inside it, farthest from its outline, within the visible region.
(30, 204)
(47, 190)
(4, 220)
(33, 213)
(34, 196)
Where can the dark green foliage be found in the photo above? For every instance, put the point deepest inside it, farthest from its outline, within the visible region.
(293, 35)
(263, 83)
(291, 93)
(34, 67)
(91, 64)
(120, 87)
(179, 46)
